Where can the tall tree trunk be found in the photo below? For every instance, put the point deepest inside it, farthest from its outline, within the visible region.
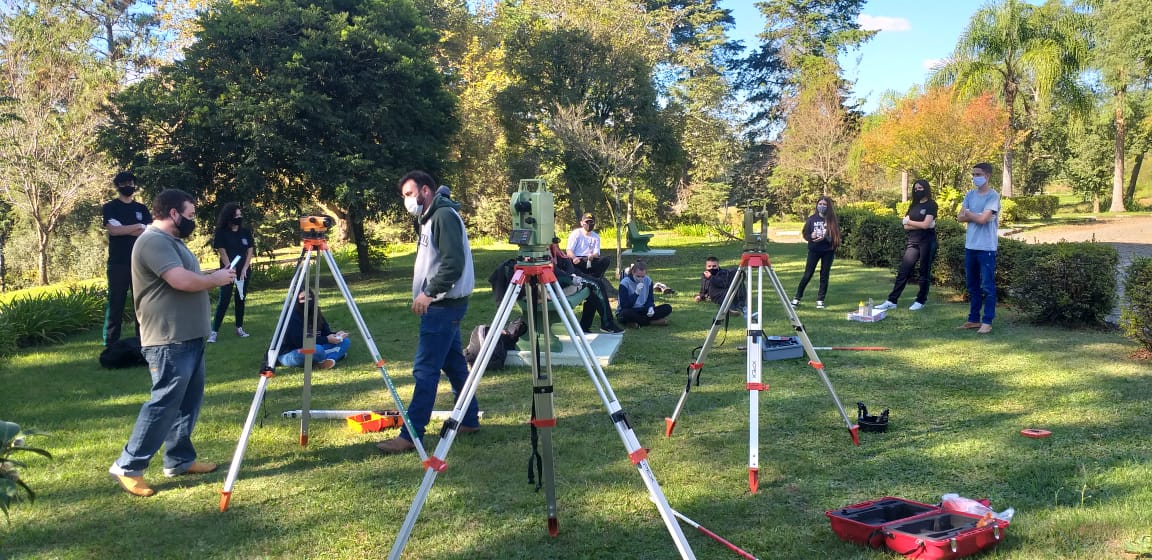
(362, 258)
(343, 231)
(1130, 194)
(904, 186)
(1095, 203)
(1009, 139)
(42, 256)
(1118, 156)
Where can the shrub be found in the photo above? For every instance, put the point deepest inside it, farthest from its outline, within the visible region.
(949, 269)
(1010, 212)
(875, 240)
(1066, 283)
(1136, 314)
(1041, 205)
(48, 317)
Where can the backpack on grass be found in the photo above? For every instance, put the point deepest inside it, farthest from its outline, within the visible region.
(123, 353)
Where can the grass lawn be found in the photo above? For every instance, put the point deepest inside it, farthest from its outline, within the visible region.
(958, 403)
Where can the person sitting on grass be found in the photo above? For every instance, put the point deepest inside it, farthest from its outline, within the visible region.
(635, 305)
(330, 346)
(714, 284)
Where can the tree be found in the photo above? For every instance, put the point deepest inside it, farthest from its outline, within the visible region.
(46, 148)
(293, 103)
(1023, 53)
(794, 31)
(820, 131)
(1124, 55)
(934, 137)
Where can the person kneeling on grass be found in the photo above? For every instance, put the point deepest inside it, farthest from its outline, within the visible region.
(636, 307)
(330, 346)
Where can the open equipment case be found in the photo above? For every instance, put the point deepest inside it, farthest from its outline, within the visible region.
(916, 530)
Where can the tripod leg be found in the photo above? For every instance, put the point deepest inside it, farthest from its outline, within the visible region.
(435, 464)
(813, 359)
(695, 368)
(266, 373)
(754, 384)
(637, 454)
(543, 406)
(370, 343)
(312, 317)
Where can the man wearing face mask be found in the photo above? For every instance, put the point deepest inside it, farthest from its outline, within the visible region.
(442, 280)
(171, 297)
(584, 249)
(125, 219)
(981, 211)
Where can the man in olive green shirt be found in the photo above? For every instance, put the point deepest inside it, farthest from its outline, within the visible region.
(171, 298)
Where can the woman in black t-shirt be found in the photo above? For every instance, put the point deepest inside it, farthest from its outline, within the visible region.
(920, 223)
(231, 241)
(822, 232)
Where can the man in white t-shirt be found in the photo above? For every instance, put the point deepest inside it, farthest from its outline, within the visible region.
(584, 248)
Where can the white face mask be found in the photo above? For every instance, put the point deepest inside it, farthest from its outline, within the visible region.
(979, 181)
(413, 207)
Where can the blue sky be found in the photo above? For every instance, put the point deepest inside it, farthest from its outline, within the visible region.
(913, 34)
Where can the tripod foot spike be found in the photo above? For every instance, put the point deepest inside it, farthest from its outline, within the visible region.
(553, 527)
(225, 497)
(303, 440)
(754, 480)
(855, 431)
(669, 425)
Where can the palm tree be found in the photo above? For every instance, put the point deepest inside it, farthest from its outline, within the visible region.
(1025, 55)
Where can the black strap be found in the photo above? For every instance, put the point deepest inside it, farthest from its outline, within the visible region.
(919, 547)
(872, 537)
(535, 475)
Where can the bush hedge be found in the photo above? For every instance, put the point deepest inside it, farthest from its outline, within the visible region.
(1041, 205)
(1136, 313)
(47, 317)
(1066, 283)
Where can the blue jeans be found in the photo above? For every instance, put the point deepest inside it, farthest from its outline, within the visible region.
(170, 414)
(295, 358)
(438, 350)
(980, 272)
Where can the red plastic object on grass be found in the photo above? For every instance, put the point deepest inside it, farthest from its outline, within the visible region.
(1035, 433)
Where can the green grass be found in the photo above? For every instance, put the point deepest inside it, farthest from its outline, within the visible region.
(958, 402)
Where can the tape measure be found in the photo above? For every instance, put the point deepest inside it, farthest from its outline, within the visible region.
(1035, 433)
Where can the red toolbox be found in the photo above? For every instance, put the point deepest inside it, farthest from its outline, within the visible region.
(914, 529)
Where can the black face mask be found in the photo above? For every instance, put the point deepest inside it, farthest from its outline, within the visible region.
(126, 191)
(237, 221)
(185, 227)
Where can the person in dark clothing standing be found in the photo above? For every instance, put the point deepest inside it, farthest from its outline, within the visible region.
(920, 223)
(232, 240)
(125, 219)
(822, 232)
(714, 284)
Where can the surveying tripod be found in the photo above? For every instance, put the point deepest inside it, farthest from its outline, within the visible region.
(533, 223)
(314, 230)
(754, 266)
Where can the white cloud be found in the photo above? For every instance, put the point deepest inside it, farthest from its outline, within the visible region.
(883, 23)
(931, 63)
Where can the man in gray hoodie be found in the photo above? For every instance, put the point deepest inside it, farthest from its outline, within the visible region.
(442, 280)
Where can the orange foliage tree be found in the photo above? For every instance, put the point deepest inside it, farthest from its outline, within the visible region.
(935, 137)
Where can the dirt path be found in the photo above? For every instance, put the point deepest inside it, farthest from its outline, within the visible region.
(1130, 235)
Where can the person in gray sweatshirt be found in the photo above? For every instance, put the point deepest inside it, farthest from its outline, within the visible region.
(442, 280)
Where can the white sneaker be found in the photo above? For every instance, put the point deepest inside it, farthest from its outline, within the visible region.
(212, 337)
(795, 302)
(240, 333)
(885, 306)
(916, 306)
(819, 304)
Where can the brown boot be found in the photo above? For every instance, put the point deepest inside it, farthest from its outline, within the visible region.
(395, 445)
(660, 322)
(134, 485)
(194, 468)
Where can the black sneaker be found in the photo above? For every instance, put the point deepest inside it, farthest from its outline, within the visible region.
(611, 329)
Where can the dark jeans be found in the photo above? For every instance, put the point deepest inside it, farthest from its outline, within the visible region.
(640, 316)
(923, 251)
(980, 272)
(593, 267)
(438, 350)
(825, 259)
(597, 301)
(227, 293)
(119, 284)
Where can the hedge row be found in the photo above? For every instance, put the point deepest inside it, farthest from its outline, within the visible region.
(1061, 283)
(1136, 316)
